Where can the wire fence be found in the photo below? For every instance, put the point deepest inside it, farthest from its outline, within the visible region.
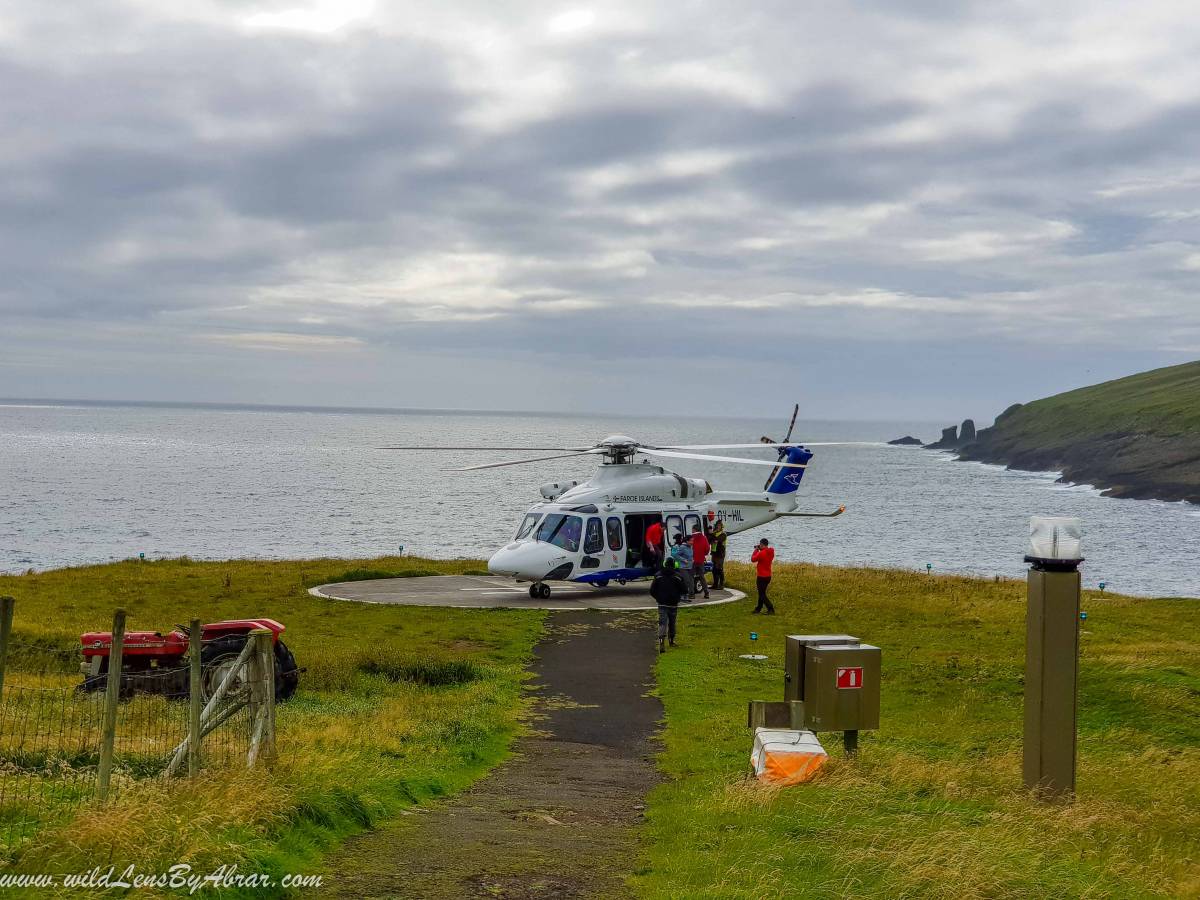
(52, 730)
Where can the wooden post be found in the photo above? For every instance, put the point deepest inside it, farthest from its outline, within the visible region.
(195, 702)
(6, 617)
(267, 644)
(262, 696)
(112, 696)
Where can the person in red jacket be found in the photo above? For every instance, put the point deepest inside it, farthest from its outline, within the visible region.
(763, 556)
(700, 548)
(653, 554)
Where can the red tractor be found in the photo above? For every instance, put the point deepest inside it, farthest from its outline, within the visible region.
(157, 663)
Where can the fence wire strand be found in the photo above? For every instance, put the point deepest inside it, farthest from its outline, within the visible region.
(50, 735)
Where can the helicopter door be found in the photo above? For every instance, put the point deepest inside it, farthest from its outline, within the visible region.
(635, 536)
(593, 544)
(612, 530)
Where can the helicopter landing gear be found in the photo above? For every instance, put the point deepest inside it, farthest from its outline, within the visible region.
(539, 591)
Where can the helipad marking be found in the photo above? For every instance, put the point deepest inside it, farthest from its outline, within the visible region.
(504, 596)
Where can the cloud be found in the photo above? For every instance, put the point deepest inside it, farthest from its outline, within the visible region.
(529, 180)
(263, 340)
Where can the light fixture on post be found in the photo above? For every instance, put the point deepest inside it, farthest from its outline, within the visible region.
(1052, 655)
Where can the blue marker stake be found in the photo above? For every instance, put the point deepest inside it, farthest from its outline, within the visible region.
(754, 635)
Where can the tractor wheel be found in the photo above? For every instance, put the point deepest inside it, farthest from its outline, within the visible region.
(287, 673)
(93, 684)
(218, 657)
(216, 660)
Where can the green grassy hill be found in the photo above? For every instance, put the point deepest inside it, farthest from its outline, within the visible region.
(1136, 437)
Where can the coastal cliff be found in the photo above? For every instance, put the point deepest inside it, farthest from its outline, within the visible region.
(1134, 437)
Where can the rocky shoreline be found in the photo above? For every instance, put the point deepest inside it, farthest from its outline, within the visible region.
(1137, 436)
(1138, 466)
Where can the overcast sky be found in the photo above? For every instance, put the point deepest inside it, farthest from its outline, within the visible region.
(927, 209)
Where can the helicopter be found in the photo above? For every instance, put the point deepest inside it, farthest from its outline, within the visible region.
(594, 531)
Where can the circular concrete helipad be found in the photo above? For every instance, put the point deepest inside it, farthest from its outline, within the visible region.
(487, 592)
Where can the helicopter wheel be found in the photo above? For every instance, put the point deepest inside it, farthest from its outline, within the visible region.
(539, 591)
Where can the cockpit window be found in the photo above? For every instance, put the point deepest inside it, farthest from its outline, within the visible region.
(527, 526)
(561, 531)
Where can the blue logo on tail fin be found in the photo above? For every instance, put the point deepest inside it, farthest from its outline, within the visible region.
(787, 480)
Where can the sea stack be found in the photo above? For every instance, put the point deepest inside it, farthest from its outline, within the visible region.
(948, 441)
(966, 433)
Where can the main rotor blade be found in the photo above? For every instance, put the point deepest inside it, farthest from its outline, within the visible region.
(477, 447)
(521, 462)
(755, 445)
(733, 459)
(760, 444)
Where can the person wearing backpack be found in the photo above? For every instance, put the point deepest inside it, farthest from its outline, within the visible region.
(667, 589)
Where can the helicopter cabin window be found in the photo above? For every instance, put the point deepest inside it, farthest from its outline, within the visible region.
(674, 527)
(561, 531)
(594, 542)
(690, 524)
(527, 526)
(614, 533)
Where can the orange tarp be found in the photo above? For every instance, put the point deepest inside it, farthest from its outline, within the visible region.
(784, 756)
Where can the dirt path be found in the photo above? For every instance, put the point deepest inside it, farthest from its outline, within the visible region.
(558, 819)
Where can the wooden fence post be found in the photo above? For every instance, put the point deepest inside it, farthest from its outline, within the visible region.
(267, 647)
(262, 697)
(195, 702)
(112, 696)
(6, 617)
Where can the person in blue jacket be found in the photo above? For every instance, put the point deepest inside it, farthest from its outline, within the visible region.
(681, 552)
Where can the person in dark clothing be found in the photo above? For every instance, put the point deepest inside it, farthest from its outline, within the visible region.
(667, 589)
(762, 557)
(717, 540)
(700, 551)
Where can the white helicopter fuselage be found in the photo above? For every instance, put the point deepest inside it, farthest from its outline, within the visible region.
(594, 531)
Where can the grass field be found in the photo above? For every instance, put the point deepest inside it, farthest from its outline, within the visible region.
(363, 737)
(933, 806)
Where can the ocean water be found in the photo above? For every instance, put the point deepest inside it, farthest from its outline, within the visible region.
(91, 483)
